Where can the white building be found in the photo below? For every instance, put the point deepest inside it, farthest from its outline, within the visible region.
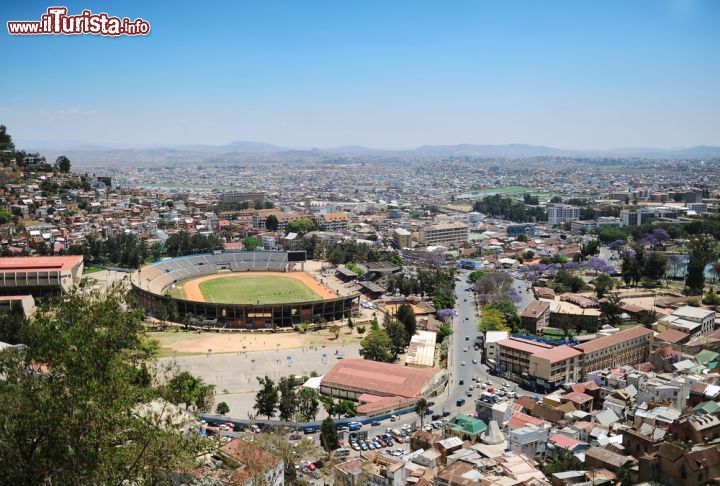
(694, 321)
(562, 213)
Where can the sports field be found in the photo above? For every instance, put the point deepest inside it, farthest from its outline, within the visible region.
(252, 287)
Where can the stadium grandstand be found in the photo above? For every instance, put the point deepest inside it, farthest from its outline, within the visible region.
(151, 283)
(39, 276)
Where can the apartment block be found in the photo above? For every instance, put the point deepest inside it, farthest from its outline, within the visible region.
(627, 347)
(446, 234)
(562, 213)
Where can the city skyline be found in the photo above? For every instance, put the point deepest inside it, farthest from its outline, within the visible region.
(587, 77)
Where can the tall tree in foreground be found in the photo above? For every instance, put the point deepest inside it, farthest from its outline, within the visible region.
(328, 435)
(421, 408)
(266, 399)
(71, 399)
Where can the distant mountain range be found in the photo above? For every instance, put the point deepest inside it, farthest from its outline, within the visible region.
(87, 154)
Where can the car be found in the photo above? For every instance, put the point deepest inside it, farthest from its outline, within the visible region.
(406, 427)
(355, 446)
(512, 394)
(393, 418)
(474, 361)
(309, 430)
(489, 383)
(396, 432)
(467, 338)
(505, 384)
(436, 416)
(354, 427)
(462, 363)
(484, 385)
(364, 446)
(464, 350)
(311, 467)
(464, 300)
(341, 426)
(378, 444)
(461, 382)
(460, 402)
(428, 427)
(375, 423)
(315, 474)
(471, 387)
(372, 446)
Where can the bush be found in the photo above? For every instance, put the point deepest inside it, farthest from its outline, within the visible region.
(711, 299)
(693, 303)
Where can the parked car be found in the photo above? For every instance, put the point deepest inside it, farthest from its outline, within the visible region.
(460, 402)
(375, 423)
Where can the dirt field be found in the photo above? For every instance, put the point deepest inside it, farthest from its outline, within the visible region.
(193, 343)
(191, 289)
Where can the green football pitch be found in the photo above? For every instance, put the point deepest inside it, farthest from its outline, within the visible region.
(266, 289)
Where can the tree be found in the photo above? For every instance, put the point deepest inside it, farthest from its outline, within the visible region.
(250, 243)
(610, 310)
(222, 408)
(12, 323)
(702, 252)
(192, 391)
(493, 320)
(156, 250)
(398, 336)
(377, 346)
(271, 223)
(350, 324)
(647, 318)
(603, 284)
(288, 398)
(307, 404)
(74, 420)
(522, 237)
(266, 399)
(654, 266)
(444, 331)
(62, 163)
(406, 315)
(564, 460)
(421, 408)
(591, 248)
(361, 330)
(328, 435)
(335, 330)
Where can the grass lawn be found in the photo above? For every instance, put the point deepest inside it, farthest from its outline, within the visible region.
(88, 270)
(267, 289)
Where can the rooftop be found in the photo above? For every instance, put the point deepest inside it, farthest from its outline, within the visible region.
(380, 378)
(617, 338)
(47, 263)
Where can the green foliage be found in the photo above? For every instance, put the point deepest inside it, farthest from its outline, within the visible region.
(493, 319)
(509, 312)
(266, 399)
(603, 284)
(62, 163)
(522, 237)
(475, 275)
(182, 243)
(5, 216)
(307, 404)
(191, 391)
(77, 422)
(12, 323)
(568, 281)
(288, 403)
(271, 223)
(421, 408)
(444, 331)
(355, 268)
(702, 252)
(610, 310)
(328, 435)
(222, 408)
(156, 250)
(711, 298)
(377, 346)
(443, 302)
(398, 336)
(302, 226)
(510, 209)
(406, 315)
(590, 248)
(250, 243)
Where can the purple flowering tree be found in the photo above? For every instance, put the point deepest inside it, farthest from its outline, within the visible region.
(444, 315)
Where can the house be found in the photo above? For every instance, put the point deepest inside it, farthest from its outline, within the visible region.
(536, 316)
(465, 427)
(672, 465)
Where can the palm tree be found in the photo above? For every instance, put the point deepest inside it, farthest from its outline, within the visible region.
(421, 408)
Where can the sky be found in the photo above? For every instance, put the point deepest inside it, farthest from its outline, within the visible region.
(384, 74)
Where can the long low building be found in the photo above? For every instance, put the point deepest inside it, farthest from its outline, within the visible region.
(39, 276)
(352, 378)
(546, 367)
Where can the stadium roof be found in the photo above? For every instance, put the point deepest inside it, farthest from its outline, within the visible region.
(48, 263)
(379, 378)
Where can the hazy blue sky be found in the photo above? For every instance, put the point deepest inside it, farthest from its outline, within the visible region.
(388, 74)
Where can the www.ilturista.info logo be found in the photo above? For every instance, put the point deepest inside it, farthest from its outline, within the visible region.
(56, 21)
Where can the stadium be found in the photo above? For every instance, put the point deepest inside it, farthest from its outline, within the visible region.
(240, 290)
